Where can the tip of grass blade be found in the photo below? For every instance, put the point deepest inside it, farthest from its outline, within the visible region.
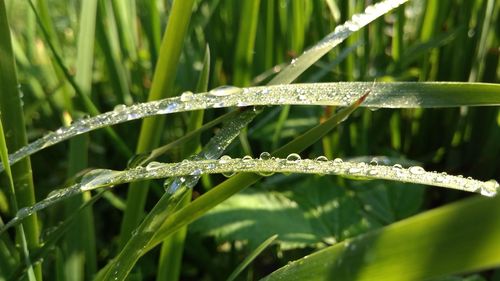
(362, 98)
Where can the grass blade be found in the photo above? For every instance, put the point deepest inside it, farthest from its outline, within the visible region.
(12, 117)
(452, 247)
(251, 257)
(340, 33)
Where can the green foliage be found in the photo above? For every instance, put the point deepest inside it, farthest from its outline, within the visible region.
(72, 59)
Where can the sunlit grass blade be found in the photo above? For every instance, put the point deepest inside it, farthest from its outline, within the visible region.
(237, 271)
(162, 86)
(340, 33)
(451, 246)
(384, 95)
(12, 118)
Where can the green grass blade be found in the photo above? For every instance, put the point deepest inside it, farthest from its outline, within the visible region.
(119, 268)
(309, 57)
(384, 95)
(162, 86)
(13, 119)
(245, 44)
(436, 243)
(237, 271)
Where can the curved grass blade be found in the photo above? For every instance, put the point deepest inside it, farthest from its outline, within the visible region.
(384, 95)
(451, 246)
(341, 32)
(251, 257)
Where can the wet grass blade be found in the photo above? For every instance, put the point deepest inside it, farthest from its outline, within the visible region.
(452, 247)
(309, 57)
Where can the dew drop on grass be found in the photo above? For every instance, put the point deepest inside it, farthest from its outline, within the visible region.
(338, 161)
(265, 156)
(247, 158)
(321, 159)
(292, 158)
(119, 107)
(153, 166)
(372, 172)
(397, 167)
(224, 159)
(354, 170)
(137, 159)
(416, 170)
(374, 162)
(187, 96)
(489, 188)
(224, 91)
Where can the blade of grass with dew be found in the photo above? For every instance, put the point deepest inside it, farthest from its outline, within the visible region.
(263, 166)
(162, 86)
(13, 118)
(169, 267)
(384, 95)
(341, 32)
(237, 271)
(387, 254)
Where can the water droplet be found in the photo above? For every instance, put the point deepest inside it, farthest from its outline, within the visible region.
(397, 167)
(372, 172)
(321, 159)
(489, 188)
(292, 158)
(302, 98)
(187, 96)
(265, 91)
(224, 159)
(228, 174)
(338, 161)
(224, 91)
(247, 158)
(153, 166)
(374, 162)
(119, 107)
(196, 172)
(416, 170)
(373, 108)
(265, 156)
